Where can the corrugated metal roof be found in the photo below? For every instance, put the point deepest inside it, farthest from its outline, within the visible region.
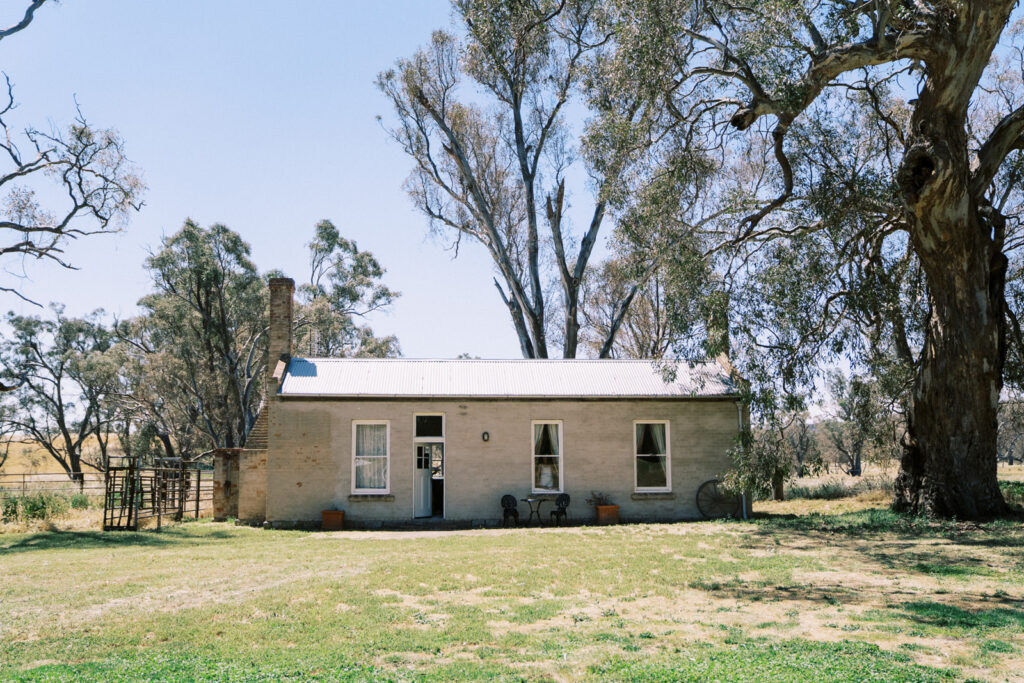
(401, 377)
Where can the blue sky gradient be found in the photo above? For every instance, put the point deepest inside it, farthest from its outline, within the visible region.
(259, 115)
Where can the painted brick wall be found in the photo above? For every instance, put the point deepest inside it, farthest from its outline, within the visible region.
(309, 461)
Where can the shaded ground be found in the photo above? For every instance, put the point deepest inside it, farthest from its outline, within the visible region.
(862, 595)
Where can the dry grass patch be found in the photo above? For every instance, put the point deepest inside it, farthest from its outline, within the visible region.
(820, 595)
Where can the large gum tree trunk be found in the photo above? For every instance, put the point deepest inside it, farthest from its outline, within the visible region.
(948, 467)
(949, 463)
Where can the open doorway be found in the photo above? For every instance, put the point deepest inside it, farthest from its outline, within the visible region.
(428, 482)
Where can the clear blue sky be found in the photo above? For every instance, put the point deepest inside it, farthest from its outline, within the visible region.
(259, 115)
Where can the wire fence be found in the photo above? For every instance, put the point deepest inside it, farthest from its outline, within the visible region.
(129, 495)
(21, 484)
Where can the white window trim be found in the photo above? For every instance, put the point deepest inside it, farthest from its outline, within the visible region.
(561, 457)
(430, 439)
(668, 457)
(387, 487)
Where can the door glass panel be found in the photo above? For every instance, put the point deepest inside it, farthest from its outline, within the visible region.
(437, 461)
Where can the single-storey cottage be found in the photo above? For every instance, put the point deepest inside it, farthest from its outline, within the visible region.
(392, 441)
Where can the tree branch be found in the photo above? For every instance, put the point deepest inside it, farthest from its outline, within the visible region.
(1007, 136)
(25, 20)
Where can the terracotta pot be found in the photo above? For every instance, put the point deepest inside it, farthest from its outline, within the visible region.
(332, 520)
(607, 514)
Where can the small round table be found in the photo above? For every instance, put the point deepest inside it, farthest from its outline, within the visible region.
(534, 504)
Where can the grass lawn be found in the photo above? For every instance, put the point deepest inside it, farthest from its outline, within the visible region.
(848, 596)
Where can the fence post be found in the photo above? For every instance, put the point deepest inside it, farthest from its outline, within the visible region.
(158, 496)
(180, 487)
(136, 488)
(24, 484)
(199, 489)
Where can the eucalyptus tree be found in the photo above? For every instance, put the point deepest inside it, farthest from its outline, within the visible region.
(644, 331)
(68, 367)
(803, 442)
(676, 290)
(486, 123)
(934, 212)
(90, 185)
(194, 366)
(859, 425)
(345, 285)
(1011, 430)
(202, 333)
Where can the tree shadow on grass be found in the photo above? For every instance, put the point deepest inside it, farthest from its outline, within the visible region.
(1008, 532)
(950, 616)
(890, 540)
(995, 541)
(755, 592)
(67, 540)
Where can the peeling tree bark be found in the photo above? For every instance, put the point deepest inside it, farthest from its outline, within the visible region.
(949, 463)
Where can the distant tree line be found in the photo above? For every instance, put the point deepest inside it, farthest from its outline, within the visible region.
(188, 373)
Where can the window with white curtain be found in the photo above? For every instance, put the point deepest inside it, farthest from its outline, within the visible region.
(651, 456)
(370, 450)
(547, 456)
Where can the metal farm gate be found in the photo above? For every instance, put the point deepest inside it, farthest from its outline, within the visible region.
(170, 489)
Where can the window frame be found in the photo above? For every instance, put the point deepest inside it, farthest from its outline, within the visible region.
(534, 456)
(387, 458)
(417, 440)
(432, 439)
(668, 458)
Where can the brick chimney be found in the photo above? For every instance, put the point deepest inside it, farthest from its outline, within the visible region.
(282, 290)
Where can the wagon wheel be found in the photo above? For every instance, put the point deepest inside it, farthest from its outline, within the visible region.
(714, 502)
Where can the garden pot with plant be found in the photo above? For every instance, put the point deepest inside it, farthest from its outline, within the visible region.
(607, 511)
(332, 520)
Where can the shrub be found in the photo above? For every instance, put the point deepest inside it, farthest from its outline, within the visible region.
(80, 501)
(1013, 491)
(835, 488)
(34, 506)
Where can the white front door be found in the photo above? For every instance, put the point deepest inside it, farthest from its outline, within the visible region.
(421, 484)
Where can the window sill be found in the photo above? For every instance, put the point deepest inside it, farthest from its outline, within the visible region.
(371, 498)
(545, 495)
(653, 495)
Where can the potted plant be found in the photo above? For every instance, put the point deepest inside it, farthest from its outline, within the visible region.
(332, 520)
(607, 511)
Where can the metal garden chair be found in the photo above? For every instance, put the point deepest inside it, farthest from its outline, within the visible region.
(561, 508)
(509, 509)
